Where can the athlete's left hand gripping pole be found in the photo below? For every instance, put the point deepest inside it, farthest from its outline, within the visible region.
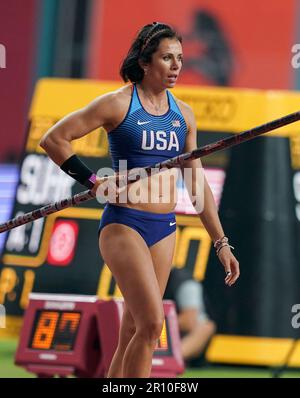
(169, 163)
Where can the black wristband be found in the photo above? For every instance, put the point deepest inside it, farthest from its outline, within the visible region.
(76, 169)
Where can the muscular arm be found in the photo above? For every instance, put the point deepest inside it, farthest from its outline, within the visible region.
(205, 204)
(57, 141)
(197, 185)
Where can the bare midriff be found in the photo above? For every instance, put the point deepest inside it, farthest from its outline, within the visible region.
(155, 194)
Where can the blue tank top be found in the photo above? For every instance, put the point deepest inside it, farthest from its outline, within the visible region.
(143, 139)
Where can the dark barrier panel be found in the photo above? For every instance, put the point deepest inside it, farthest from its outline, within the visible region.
(258, 214)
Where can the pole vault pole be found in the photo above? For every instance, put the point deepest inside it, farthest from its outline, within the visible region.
(169, 163)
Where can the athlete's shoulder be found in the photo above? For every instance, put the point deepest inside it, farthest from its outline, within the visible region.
(116, 98)
(184, 107)
(123, 93)
(186, 110)
(111, 108)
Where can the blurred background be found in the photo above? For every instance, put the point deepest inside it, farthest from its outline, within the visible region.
(240, 70)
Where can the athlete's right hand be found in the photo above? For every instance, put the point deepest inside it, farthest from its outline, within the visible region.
(98, 182)
(107, 188)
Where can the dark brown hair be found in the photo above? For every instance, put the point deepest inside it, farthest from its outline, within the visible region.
(142, 48)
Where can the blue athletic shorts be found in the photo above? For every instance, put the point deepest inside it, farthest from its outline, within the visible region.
(151, 226)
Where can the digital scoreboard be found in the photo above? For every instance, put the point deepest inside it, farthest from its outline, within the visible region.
(54, 330)
(77, 335)
(60, 336)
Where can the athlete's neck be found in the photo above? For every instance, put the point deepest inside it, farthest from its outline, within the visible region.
(156, 97)
(156, 93)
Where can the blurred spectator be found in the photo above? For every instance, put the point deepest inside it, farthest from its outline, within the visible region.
(195, 326)
(216, 59)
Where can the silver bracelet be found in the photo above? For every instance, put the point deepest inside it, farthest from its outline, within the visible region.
(223, 245)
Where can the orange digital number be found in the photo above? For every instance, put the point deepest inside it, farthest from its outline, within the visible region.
(163, 340)
(69, 317)
(45, 330)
